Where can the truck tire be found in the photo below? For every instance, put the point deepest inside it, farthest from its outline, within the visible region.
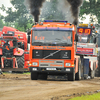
(20, 61)
(43, 76)
(34, 75)
(71, 76)
(78, 74)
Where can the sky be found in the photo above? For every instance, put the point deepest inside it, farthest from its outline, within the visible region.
(6, 3)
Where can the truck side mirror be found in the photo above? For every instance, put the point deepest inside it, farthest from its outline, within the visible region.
(76, 37)
(95, 40)
(29, 32)
(28, 39)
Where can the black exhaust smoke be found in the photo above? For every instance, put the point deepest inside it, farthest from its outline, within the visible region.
(35, 6)
(75, 5)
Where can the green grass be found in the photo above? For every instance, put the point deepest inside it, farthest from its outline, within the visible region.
(26, 73)
(88, 97)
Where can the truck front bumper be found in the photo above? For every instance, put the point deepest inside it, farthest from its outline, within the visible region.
(51, 70)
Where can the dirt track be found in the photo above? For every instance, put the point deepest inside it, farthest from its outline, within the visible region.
(20, 87)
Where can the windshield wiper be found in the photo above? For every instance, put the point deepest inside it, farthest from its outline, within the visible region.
(37, 43)
(63, 42)
(40, 44)
(60, 40)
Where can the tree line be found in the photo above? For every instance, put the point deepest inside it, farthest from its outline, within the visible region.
(22, 20)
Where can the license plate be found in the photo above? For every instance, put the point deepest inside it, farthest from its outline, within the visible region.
(50, 68)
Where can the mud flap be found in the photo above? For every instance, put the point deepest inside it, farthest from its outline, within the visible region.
(85, 68)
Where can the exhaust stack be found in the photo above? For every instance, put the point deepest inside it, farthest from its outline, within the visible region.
(75, 6)
(35, 6)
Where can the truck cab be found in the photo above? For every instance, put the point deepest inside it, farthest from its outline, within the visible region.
(87, 41)
(52, 50)
(56, 49)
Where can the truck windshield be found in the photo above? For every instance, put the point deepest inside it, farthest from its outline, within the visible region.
(52, 38)
(83, 38)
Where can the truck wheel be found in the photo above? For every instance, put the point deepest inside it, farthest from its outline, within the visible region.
(20, 61)
(34, 75)
(43, 76)
(78, 74)
(71, 76)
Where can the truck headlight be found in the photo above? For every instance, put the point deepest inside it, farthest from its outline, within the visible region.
(34, 69)
(68, 64)
(34, 63)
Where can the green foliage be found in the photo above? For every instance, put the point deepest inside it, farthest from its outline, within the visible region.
(1, 24)
(26, 73)
(50, 11)
(18, 18)
(91, 7)
(88, 97)
(1, 21)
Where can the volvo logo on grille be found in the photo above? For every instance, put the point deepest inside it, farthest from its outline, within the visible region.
(65, 55)
(36, 51)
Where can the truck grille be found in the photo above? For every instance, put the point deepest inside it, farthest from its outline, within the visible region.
(51, 54)
(51, 63)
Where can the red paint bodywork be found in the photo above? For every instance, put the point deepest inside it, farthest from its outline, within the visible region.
(21, 37)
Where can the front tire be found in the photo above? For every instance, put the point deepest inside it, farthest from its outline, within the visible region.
(43, 76)
(34, 75)
(71, 76)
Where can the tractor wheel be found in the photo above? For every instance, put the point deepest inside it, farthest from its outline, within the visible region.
(71, 76)
(97, 71)
(78, 74)
(43, 76)
(34, 75)
(20, 61)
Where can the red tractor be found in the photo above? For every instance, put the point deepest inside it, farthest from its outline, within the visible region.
(14, 55)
